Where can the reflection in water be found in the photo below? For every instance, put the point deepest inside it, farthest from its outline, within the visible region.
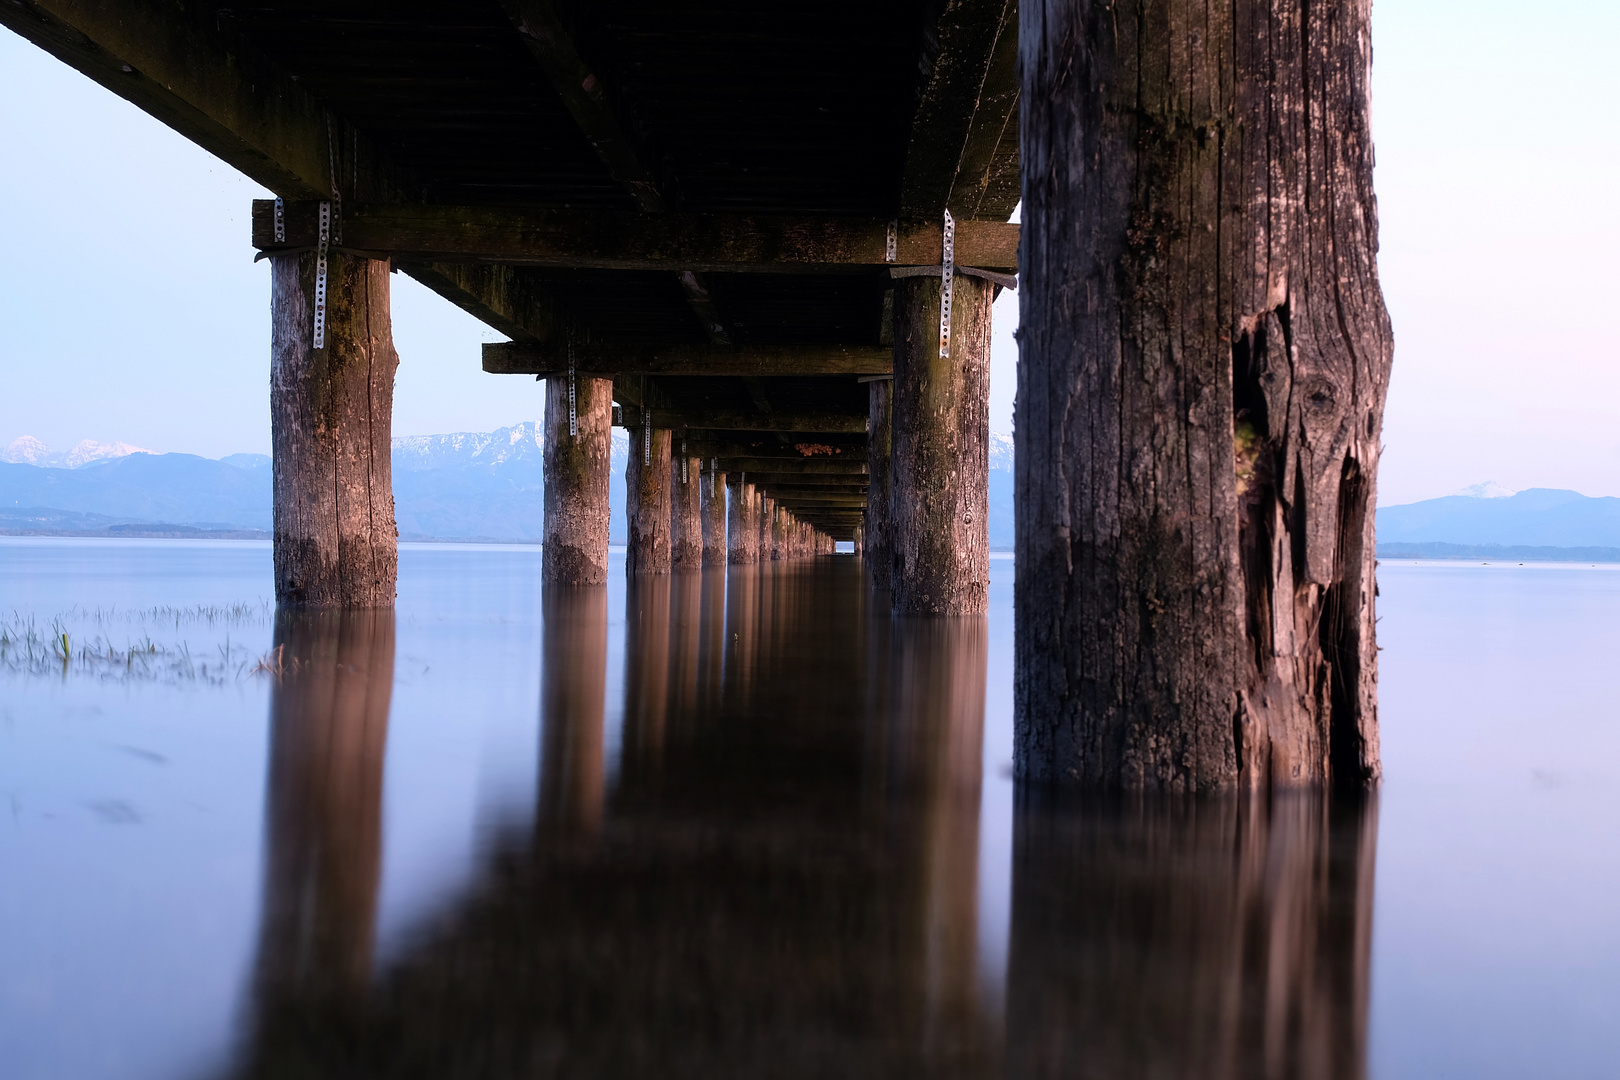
(328, 730)
(784, 880)
(1209, 938)
(572, 706)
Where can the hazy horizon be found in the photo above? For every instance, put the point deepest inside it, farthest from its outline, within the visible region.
(135, 313)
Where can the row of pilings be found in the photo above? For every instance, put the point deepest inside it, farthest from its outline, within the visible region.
(1204, 356)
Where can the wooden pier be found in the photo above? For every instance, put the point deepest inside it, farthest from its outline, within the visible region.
(765, 239)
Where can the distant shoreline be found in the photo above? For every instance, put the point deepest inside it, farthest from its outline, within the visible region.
(1502, 552)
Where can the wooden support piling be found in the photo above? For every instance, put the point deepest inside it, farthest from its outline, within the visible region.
(939, 460)
(577, 467)
(1204, 354)
(331, 411)
(743, 525)
(647, 504)
(878, 547)
(685, 511)
(713, 503)
(767, 511)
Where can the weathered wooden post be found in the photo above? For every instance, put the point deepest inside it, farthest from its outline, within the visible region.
(577, 463)
(743, 530)
(646, 479)
(331, 411)
(767, 511)
(713, 496)
(939, 461)
(1204, 357)
(878, 549)
(686, 515)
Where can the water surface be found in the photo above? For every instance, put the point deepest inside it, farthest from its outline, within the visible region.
(748, 824)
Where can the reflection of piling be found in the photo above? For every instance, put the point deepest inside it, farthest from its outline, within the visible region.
(1190, 938)
(742, 628)
(646, 675)
(685, 636)
(573, 690)
(937, 740)
(328, 732)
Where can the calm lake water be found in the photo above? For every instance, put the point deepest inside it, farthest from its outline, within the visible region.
(749, 825)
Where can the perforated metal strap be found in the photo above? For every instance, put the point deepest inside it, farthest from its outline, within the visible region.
(573, 393)
(947, 264)
(686, 463)
(281, 220)
(646, 437)
(891, 250)
(320, 275)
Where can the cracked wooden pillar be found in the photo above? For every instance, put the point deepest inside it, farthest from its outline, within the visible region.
(685, 512)
(743, 532)
(577, 467)
(646, 503)
(939, 459)
(713, 496)
(1204, 357)
(878, 546)
(331, 411)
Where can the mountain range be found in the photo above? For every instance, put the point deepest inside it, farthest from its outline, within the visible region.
(463, 486)
(489, 486)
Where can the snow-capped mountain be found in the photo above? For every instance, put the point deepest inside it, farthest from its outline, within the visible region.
(27, 450)
(459, 486)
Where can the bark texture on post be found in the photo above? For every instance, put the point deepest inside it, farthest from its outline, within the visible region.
(713, 496)
(577, 468)
(1204, 357)
(646, 506)
(331, 414)
(767, 523)
(939, 462)
(878, 546)
(743, 531)
(686, 514)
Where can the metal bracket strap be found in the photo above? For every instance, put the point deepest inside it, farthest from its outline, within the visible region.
(646, 437)
(573, 398)
(320, 275)
(891, 250)
(947, 263)
(686, 463)
(281, 220)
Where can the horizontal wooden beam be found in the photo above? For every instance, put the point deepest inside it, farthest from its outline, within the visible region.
(586, 97)
(806, 422)
(779, 467)
(606, 359)
(627, 241)
(781, 482)
(499, 296)
(711, 446)
(184, 64)
(797, 499)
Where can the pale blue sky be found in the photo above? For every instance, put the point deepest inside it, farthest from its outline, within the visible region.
(132, 309)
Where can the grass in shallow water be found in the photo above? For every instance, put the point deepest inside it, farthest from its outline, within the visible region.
(139, 644)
